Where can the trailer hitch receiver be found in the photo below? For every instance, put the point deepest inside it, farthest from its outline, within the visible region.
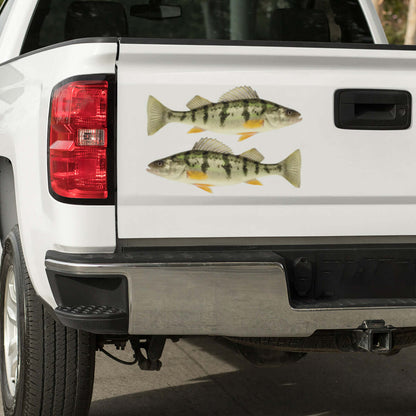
(374, 336)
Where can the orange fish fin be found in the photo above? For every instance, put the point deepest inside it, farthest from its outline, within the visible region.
(253, 124)
(204, 187)
(195, 174)
(254, 182)
(244, 136)
(196, 130)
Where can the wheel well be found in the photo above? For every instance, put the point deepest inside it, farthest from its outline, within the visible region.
(8, 210)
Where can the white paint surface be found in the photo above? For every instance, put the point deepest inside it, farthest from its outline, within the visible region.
(353, 182)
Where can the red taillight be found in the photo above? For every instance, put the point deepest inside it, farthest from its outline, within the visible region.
(78, 140)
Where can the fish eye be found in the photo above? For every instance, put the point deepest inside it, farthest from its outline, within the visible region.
(289, 112)
(160, 163)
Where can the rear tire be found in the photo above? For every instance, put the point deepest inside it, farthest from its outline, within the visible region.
(46, 368)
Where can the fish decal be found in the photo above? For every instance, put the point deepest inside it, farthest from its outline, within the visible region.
(211, 163)
(240, 111)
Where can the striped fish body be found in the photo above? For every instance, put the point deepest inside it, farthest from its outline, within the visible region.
(220, 169)
(234, 117)
(203, 167)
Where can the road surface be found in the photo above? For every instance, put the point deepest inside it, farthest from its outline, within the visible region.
(201, 377)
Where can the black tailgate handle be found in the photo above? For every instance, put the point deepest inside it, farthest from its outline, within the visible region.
(373, 109)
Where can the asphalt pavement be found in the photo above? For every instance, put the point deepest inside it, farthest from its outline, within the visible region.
(201, 377)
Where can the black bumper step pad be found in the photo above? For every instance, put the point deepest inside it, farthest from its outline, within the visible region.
(101, 319)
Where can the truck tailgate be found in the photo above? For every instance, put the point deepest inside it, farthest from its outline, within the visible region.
(353, 182)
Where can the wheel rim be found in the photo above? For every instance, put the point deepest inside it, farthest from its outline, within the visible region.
(11, 333)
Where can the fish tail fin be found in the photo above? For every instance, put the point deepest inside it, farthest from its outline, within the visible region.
(291, 168)
(156, 115)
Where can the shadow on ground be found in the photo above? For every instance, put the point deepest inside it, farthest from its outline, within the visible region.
(319, 384)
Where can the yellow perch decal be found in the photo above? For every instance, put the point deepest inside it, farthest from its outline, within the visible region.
(211, 163)
(240, 111)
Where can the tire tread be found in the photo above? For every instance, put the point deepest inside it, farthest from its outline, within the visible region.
(59, 362)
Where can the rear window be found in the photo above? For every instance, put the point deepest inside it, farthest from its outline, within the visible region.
(247, 20)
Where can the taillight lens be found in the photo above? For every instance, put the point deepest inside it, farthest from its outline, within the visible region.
(78, 140)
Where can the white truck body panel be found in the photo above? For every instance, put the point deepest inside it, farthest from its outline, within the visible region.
(353, 182)
(26, 84)
(14, 31)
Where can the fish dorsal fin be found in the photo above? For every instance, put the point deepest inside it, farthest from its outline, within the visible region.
(253, 154)
(239, 93)
(198, 102)
(212, 145)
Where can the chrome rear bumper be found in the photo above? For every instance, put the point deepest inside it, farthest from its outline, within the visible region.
(236, 298)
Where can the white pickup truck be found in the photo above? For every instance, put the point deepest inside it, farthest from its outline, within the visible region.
(234, 168)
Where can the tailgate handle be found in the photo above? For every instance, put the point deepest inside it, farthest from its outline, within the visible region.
(373, 109)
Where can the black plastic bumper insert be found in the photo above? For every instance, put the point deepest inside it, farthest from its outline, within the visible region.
(97, 304)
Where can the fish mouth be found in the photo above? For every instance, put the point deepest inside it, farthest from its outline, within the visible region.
(155, 172)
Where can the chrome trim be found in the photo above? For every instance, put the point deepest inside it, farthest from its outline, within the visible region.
(11, 336)
(230, 299)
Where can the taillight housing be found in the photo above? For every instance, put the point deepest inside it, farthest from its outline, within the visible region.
(79, 140)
